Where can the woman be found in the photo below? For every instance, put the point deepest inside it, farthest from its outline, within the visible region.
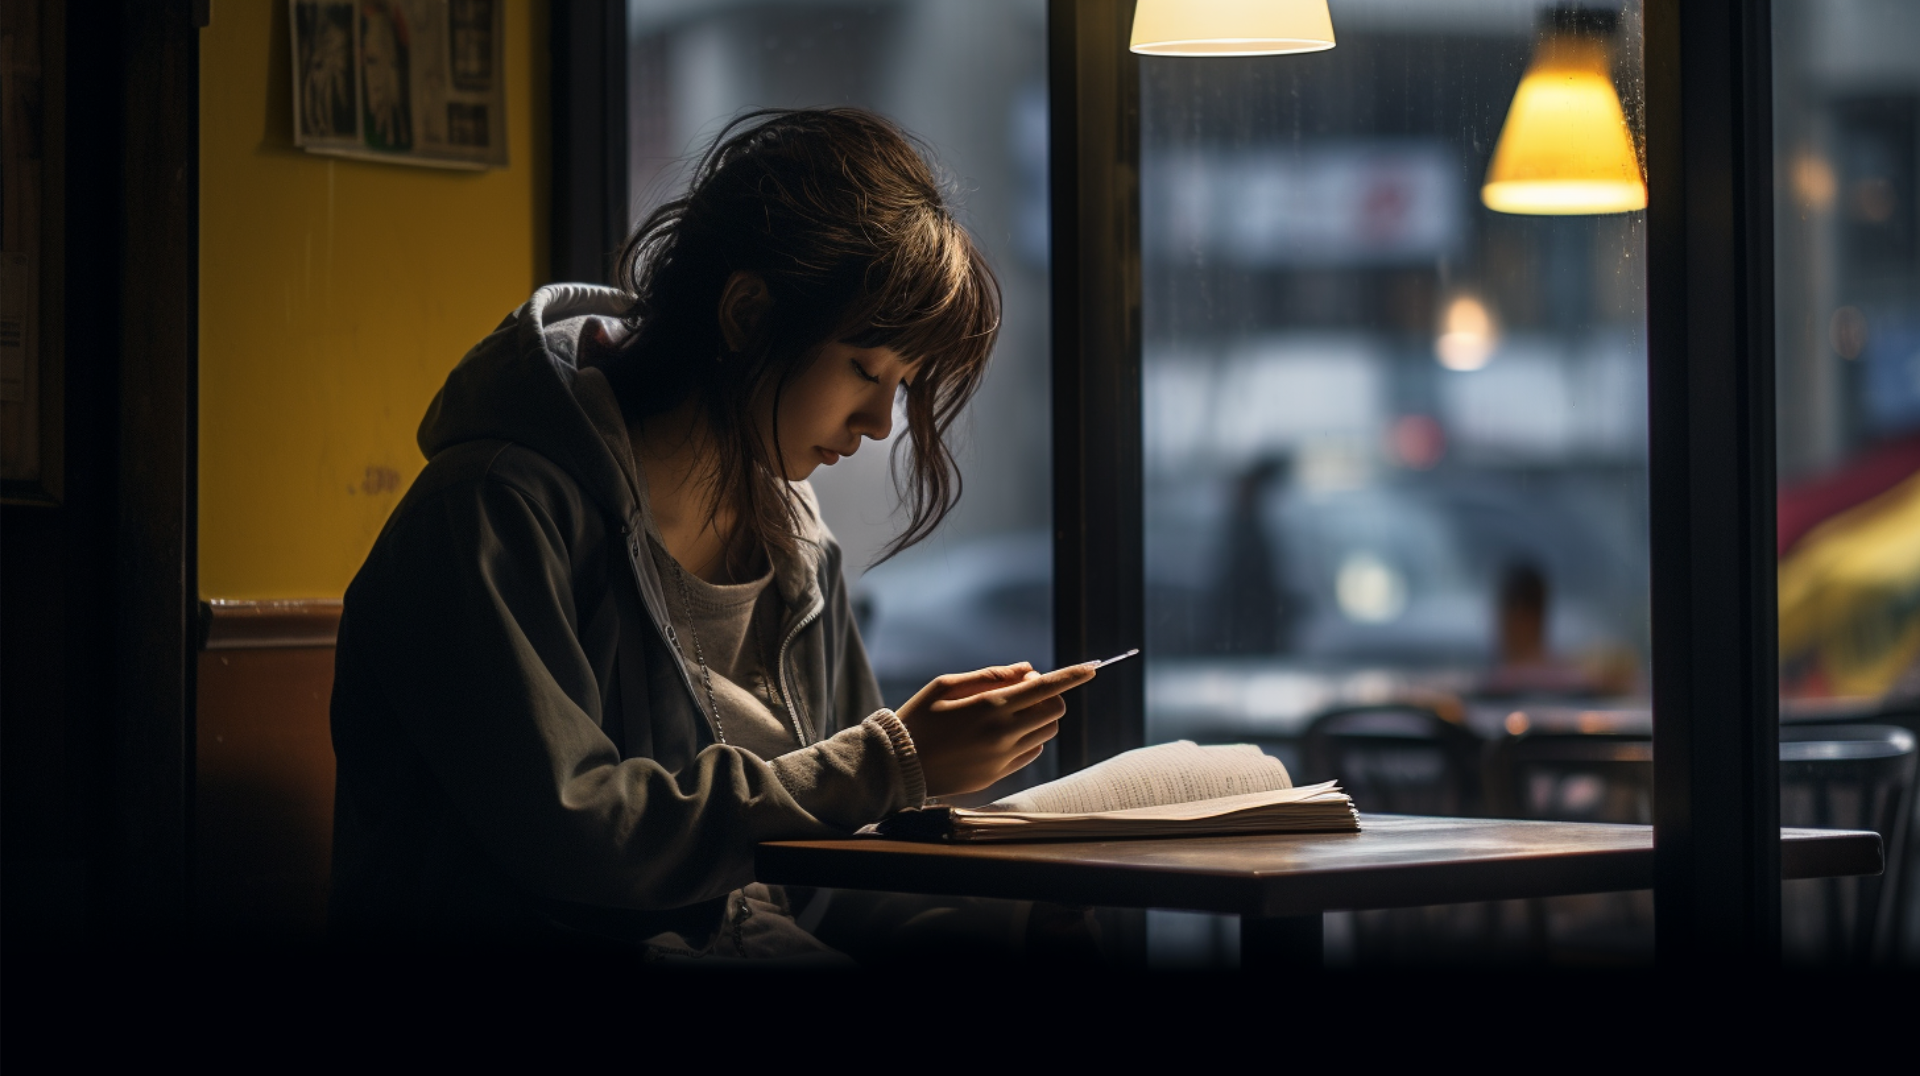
(603, 647)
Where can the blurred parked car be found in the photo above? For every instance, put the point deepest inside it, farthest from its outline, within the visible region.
(984, 602)
(1377, 582)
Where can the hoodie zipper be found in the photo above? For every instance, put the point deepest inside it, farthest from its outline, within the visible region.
(793, 701)
(786, 685)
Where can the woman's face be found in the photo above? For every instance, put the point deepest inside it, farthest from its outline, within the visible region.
(846, 395)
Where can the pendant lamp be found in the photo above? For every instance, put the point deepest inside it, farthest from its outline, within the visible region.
(1467, 336)
(1565, 148)
(1231, 27)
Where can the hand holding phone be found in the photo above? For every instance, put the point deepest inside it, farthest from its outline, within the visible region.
(971, 729)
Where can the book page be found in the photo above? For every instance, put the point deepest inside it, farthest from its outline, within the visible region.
(1325, 792)
(1157, 776)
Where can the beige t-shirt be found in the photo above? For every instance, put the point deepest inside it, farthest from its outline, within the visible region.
(735, 629)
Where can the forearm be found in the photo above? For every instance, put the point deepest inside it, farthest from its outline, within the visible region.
(633, 835)
(857, 776)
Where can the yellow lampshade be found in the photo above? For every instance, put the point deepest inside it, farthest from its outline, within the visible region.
(1231, 27)
(1565, 147)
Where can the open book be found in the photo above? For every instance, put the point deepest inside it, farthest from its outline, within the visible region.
(1169, 790)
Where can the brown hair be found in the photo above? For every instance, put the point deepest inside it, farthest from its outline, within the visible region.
(838, 212)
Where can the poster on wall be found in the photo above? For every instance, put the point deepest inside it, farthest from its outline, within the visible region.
(406, 81)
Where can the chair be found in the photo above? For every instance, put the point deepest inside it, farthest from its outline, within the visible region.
(1396, 758)
(1403, 758)
(1846, 777)
(1572, 777)
(1831, 777)
(1904, 895)
(1579, 777)
(1902, 892)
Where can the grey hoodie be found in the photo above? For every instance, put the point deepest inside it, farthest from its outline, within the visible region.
(520, 748)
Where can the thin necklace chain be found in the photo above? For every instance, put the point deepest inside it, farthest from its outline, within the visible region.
(775, 696)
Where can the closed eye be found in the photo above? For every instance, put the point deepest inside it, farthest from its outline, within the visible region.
(863, 371)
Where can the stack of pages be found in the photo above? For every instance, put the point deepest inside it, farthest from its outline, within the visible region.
(1169, 790)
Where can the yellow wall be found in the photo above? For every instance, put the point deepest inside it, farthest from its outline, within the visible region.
(334, 297)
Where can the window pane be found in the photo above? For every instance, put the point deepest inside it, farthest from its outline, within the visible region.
(1847, 256)
(1395, 440)
(1847, 293)
(970, 80)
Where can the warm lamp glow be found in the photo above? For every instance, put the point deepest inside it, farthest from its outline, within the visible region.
(1231, 27)
(1467, 335)
(1565, 147)
(1813, 180)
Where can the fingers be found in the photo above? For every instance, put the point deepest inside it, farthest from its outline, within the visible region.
(968, 684)
(1035, 737)
(953, 686)
(1041, 713)
(1044, 686)
(1022, 762)
(1001, 719)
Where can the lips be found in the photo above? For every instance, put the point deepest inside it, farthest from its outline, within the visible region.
(830, 456)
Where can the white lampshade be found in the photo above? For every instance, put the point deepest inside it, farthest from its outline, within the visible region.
(1231, 27)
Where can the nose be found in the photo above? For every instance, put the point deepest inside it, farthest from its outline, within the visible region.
(874, 419)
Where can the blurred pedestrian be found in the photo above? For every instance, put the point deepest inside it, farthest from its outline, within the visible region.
(1525, 664)
(1253, 612)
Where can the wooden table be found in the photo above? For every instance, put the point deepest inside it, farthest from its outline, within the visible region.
(1279, 885)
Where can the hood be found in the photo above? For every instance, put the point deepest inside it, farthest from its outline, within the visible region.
(523, 383)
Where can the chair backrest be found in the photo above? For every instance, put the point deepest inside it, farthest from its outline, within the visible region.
(1396, 759)
(1831, 776)
(1862, 775)
(1572, 777)
(1903, 889)
(1847, 777)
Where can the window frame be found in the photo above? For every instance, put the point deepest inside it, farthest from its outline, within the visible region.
(1710, 452)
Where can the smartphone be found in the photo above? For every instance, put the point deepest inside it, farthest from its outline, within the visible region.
(1103, 663)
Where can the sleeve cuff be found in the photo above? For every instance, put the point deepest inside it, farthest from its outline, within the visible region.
(856, 776)
(913, 781)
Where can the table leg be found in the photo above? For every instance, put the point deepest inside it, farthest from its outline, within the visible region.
(1281, 942)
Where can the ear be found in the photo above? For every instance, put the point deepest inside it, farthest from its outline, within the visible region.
(743, 302)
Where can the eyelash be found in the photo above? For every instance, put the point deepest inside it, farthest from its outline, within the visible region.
(904, 384)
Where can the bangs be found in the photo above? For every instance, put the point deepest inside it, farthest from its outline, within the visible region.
(936, 303)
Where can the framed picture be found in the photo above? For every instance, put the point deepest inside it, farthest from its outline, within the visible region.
(405, 81)
(32, 141)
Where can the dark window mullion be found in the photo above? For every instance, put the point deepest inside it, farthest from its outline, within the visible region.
(589, 189)
(1711, 480)
(1099, 558)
